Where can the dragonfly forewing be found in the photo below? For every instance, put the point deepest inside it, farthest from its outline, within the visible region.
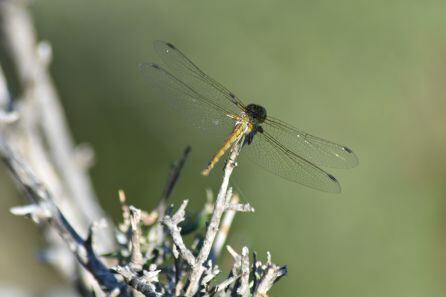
(194, 107)
(184, 69)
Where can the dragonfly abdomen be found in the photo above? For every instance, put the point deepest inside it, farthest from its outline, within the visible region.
(238, 132)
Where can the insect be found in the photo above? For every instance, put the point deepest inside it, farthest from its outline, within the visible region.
(271, 143)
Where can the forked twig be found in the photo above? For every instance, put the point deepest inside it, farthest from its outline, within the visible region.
(219, 209)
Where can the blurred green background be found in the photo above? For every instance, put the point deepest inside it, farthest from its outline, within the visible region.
(368, 74)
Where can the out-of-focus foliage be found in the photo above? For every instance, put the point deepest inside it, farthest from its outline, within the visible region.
(368, 74)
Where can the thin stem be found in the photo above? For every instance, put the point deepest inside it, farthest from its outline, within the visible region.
(219, 209)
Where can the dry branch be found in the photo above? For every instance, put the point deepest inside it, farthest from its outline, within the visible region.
(43, 210)
(151, 257)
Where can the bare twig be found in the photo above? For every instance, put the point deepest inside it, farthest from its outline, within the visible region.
(237, 260)
(210, 273)
(225, 284)
(235, 206)
(174, 174)
(143, 284)
(231, 208)
(243, 290)
(219, 208)
(271, 274)
(125, 211)
(172, 224)
(137, 260)
(157, 234)
(254, 268)
(46, 211)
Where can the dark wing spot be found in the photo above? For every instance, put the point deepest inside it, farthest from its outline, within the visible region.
(332, 177)
(233, 97)
(347, 150)
(170, 45)
(156, 66)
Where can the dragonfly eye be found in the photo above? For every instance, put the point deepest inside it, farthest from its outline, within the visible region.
(256, 112)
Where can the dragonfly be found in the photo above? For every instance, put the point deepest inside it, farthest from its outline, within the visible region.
(270, 142)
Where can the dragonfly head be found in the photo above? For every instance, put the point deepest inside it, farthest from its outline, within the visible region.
(256, 113)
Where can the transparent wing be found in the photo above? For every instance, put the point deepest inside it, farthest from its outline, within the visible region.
(184, 69)
(314, 149)
(268, 153)
(196, 108)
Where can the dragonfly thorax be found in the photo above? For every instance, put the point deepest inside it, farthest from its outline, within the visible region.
(256, 113)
